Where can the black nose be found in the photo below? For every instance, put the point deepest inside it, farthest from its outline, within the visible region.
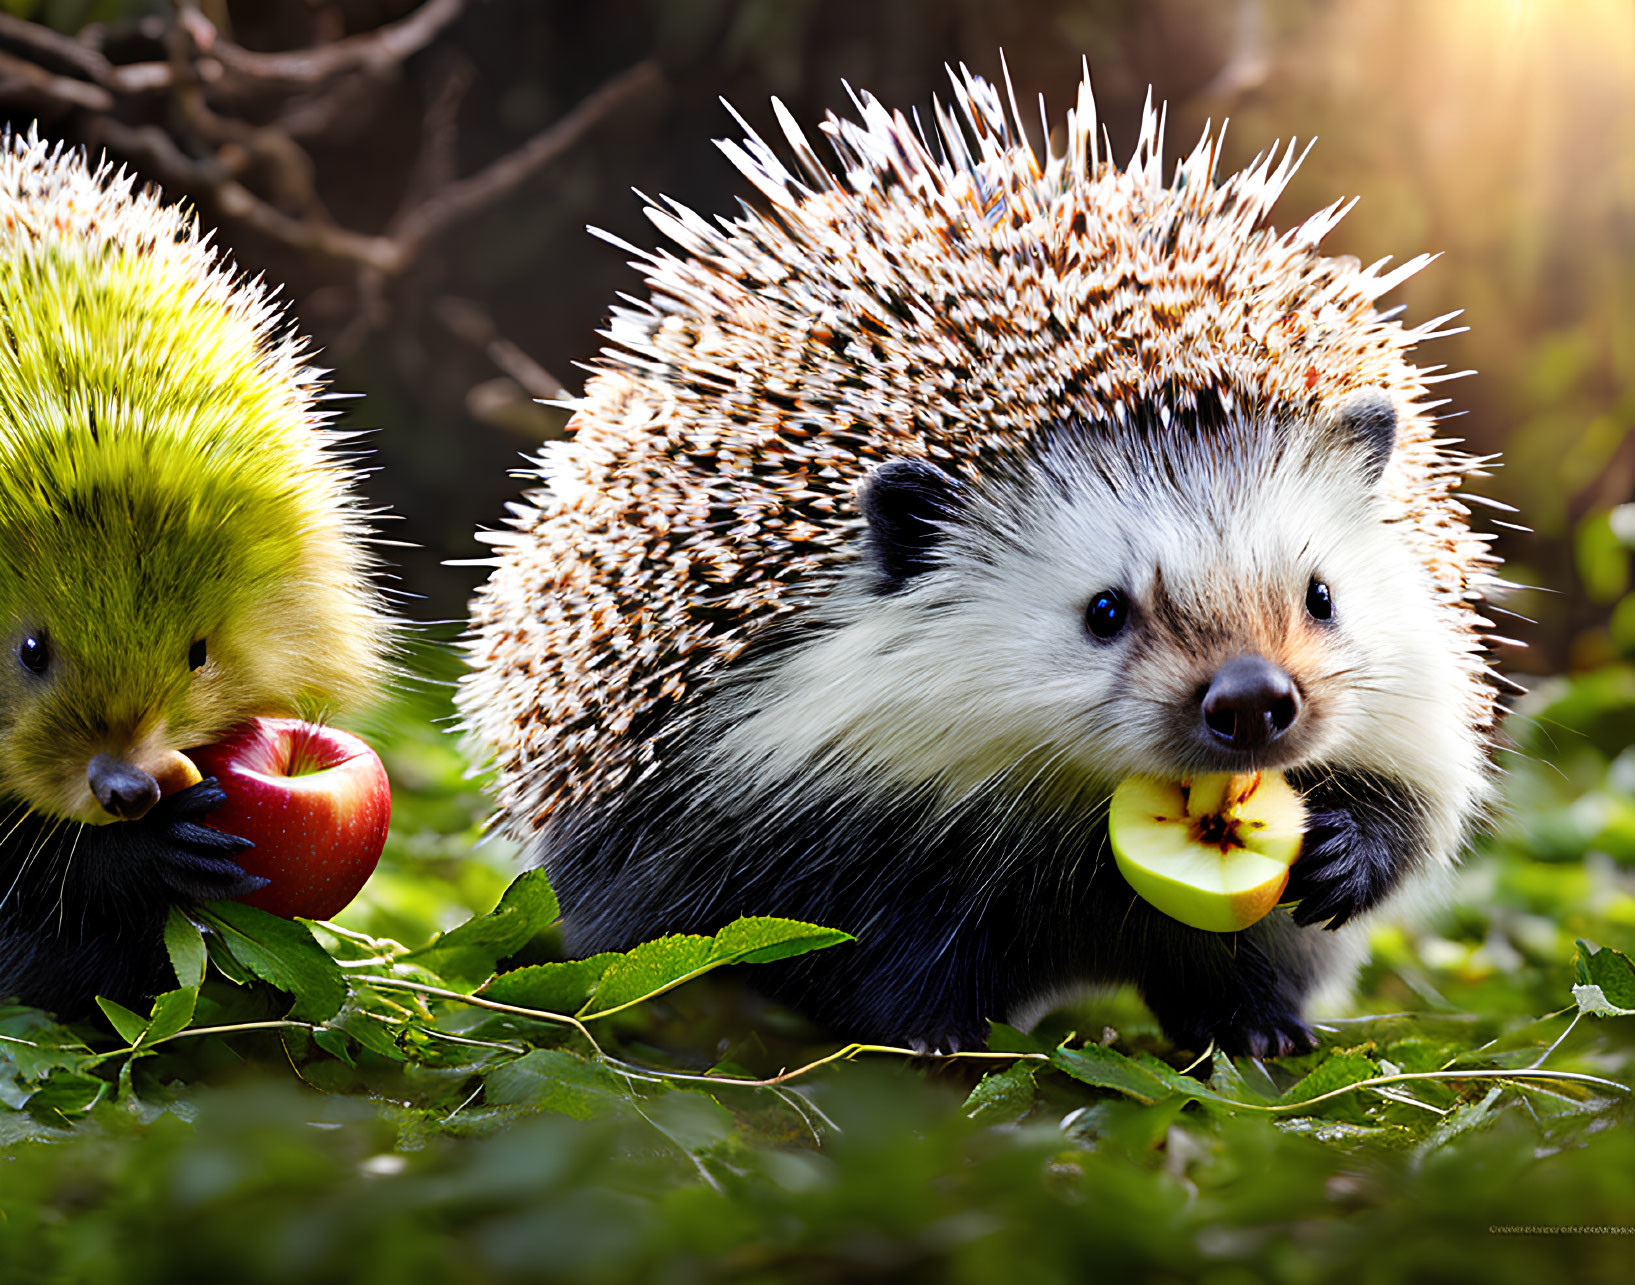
(122, 788)
(1250, 703)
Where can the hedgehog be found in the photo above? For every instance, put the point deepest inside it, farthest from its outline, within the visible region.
(181, 548)
(933, 495)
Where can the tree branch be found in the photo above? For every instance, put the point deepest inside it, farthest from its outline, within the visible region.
(411, 229)
(466, 320)
(157, 152)
(460, 200)
(22, 79)
(374, 52)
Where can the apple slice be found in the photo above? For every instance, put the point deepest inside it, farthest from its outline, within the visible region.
(314, 800)
(1214, 851)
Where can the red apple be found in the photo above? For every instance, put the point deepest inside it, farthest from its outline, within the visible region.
(315, 802)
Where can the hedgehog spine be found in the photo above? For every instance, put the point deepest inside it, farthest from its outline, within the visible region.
(180, 549)
(797, 625)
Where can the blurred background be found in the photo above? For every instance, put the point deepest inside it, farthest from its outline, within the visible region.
(419, 174)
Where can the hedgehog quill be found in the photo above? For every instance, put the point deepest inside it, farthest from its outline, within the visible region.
(180, 550)
(917, 508)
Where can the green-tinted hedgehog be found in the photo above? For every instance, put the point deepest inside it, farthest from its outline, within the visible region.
(180, 549)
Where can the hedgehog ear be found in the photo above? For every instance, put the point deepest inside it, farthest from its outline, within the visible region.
(1366, 421)
(907, 504)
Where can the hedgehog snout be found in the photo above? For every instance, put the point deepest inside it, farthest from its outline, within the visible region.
(122, 788)
(1249, 703)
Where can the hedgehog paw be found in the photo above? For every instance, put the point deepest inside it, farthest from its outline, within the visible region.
(1242, 1028)
(1274, 1035)
(189, 861)
(1339, 875)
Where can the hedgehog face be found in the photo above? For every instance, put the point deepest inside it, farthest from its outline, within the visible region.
(132, 629)
(1160, 599)
(105, 655)
(1243, 601)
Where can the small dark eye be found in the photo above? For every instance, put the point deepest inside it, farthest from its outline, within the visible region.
(34, 654)
(196, 654)
(1107, 613)
(1319, 601)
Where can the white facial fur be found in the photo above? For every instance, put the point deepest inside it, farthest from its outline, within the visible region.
(981, 674)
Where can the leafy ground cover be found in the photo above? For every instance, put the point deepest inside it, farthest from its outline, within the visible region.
(425, 1090)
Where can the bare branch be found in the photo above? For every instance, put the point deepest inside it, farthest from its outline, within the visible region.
(154, 149)
(212, 154)
(237, 143)
(462, 199)
(20, 79)
(436, 166)
(314, 114)
(392, 253)
(467, 321)
(375, 52)
(42, 39)
(130, 78)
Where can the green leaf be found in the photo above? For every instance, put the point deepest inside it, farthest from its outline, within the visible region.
(334, 1042)
(70, 1092)
(1145, 1079)
(690, 1118)
(1593, 1000)
(559, 1081)
(1123, 1126)
(282, 952)
(185, 943)
(38, 1046)
(1003, 1097)
(761, 939)
(649, 970)
(1007, 1039)
(1462, 1119)
(553, 988)
(1606, 980)
(467, 955)
(1336, 1072)
(655, 966)
(373, 1034)
(129, 1025)
(229, 967)
(172, 1012)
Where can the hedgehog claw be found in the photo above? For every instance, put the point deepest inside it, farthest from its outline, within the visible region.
(1338, 876)
(1282, 1036)
(189, 861)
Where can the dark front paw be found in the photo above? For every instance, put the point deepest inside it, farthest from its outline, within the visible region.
(1264, 1030)
(1279, 1034)
(186, 860)
(1342, 871)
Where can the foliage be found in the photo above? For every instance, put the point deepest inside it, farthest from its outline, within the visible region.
(324, 1101)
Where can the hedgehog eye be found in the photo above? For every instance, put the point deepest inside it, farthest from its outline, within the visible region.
(1319, 601)
(1107, 613)
(196, 654)
(34, 654)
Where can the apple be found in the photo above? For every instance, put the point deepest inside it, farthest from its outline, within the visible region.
(1212, 851)
(314, 800)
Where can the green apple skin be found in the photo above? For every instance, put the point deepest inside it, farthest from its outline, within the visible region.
(1213, 852)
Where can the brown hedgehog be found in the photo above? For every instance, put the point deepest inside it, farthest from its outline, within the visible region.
(920, 506)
